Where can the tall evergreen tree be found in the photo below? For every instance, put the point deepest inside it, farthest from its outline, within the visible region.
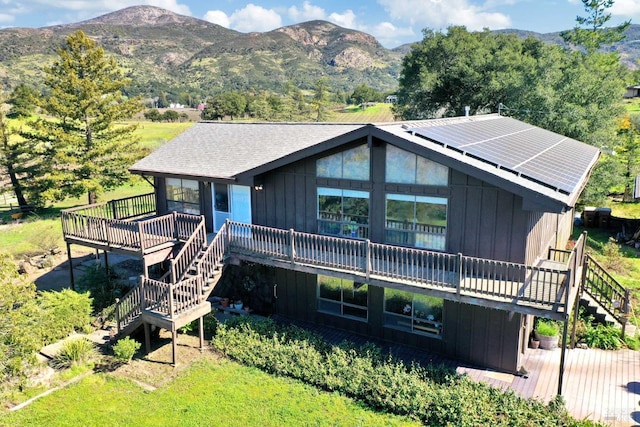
(320, 99)
(91, 151)
(591, 31)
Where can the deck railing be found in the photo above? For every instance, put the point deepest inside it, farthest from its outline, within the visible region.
(136, 236)
(462, 274)
(126, 208)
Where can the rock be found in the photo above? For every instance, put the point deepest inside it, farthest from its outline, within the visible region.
(25, 267)
(56, 250)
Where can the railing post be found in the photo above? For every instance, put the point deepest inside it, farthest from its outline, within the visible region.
(367, 259)
(625, 311)
(292, 241)
(459, 277)
(143, 299)
(228, 227)
(114, 211)
(140, 237)
(175, 225)
(171, 308)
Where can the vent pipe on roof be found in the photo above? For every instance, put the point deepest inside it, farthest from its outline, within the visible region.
(466, 111)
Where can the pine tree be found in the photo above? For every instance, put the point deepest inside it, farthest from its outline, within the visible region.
(89, 151)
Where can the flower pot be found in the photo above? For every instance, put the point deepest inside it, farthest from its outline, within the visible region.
(224, 302)
(534, 343)
(547, 342)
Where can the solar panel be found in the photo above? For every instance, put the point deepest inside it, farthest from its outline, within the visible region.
(525, 150)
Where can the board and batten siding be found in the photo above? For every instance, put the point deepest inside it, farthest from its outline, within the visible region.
(476, 334)
(482, 220)
(547, 230)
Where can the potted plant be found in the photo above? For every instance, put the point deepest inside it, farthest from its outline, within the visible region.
(547, 331)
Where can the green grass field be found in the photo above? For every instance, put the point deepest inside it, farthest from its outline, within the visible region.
(210, 392)
(354, 114)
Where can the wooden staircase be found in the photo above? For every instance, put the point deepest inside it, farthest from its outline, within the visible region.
(181, 295)
(604, 298)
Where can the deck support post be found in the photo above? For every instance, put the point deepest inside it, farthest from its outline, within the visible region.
(70, 260)
(201, 329)
(563, 349)
(174, 345)
(147, 338)
(106, 262)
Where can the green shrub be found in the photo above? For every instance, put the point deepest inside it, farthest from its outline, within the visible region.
(604, 337)
(125, 348)
(75, 352)
(547, 328)
(437, 396)
(63, 313)
(632, 343)
(104, 287)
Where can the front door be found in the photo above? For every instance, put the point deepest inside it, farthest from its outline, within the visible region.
(231, 201)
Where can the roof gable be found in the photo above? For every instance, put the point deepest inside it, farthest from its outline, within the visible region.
(546, 169)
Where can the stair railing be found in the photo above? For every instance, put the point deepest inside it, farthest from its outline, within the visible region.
(602, 287)
(183, 261)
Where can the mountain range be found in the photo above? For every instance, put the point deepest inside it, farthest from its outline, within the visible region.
(164, 51)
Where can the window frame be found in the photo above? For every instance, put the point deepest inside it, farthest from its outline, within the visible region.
(324, 302)
(412, 234)
(419, 324)
(184, 205)
(343, 222)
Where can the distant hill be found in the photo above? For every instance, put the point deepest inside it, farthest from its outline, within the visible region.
(162, 50)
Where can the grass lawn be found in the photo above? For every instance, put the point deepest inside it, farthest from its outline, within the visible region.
(378, 113)
(154, 134)
(210, 392)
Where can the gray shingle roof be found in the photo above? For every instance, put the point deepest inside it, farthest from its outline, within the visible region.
(226, 149)
(504, 150)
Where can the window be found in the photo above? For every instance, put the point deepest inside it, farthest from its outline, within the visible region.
(349, 164)
(343, 212)
(413, 312)
(183, 195)
(416, 221)
(342, 297)
(403, 167)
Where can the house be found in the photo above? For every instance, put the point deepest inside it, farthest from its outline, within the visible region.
(444, 234)
(391, 99)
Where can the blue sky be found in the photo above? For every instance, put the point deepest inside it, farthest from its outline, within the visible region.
(392, 22)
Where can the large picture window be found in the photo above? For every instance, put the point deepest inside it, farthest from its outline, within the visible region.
(343, 212)
(342, 297)
(349, 164)
(413, 312)
(183, 195)
(403, 167)
(416, 221)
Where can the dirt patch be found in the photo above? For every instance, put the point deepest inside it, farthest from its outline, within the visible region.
(155, 369)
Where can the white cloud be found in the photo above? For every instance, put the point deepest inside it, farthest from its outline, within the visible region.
(308, 12)
(6, 18)
(391, 36)
(346, 19)
(217, 17)
(255, 18)
(625, 8)
(439, 14)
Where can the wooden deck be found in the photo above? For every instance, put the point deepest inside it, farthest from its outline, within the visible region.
(598, 385)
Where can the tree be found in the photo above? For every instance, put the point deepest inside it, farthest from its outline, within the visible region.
(91, 152)
(320, 99)
(363, 93)
(20, 161)
(546, 85)
(23, 101)
(231, 104)
(628, 153)
(595, 34)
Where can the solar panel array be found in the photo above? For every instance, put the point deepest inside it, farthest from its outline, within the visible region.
(527, 151)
